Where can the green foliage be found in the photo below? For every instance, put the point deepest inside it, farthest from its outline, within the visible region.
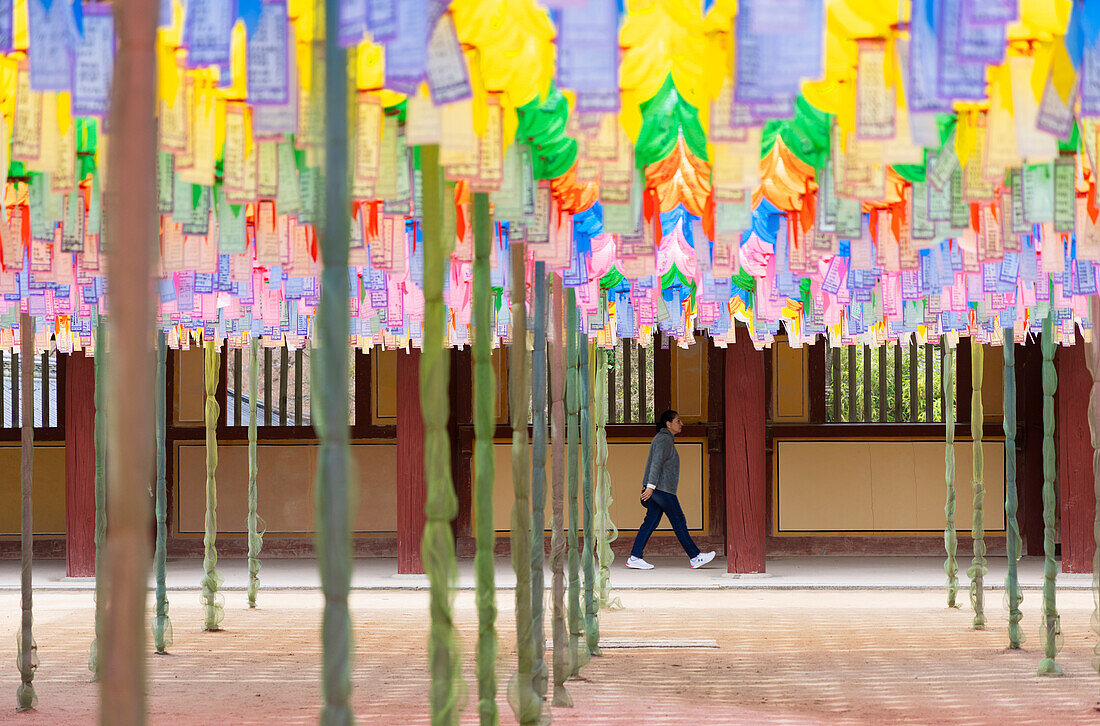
(884, 385)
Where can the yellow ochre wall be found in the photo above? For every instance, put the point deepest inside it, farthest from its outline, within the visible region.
(47, 490)
(689, 381)
(878, 486)
(873, 485)
(285, 487)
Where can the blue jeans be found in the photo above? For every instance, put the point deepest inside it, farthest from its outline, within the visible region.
(663, 503)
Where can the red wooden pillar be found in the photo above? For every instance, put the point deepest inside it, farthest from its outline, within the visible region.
(746, 482)
(410, 465)
(79, 466)
(1077, 498)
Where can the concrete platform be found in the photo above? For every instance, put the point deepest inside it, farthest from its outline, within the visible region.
(669, 573)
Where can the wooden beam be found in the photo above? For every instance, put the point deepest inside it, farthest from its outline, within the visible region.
(746, 480)
(1076, 498)
(79, 466)
(716, 406)
(1029, 442)
(410, 465)
(817, 373)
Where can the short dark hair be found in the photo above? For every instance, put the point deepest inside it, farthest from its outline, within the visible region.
(665, 419)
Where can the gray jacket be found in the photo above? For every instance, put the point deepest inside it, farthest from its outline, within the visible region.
(662, 467)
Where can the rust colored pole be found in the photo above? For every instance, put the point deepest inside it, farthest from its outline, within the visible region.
(746, 479)
(131, 215)
(1077, 499)
(410, 465)
(79, 466)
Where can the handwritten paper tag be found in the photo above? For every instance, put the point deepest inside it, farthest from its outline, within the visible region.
(73, 238)
(490, 174)
(588, 54)
(274, 118)
(289, 196)
(7, 37)
(1056, 115)
(1065, 196)
(508, 200)
(423, 122)
(538, 223)
(407, 51)
(27, 136)
(1038, 193)
(231, 228)
(233, 157)
(269, 57)
(53, 37)
(207, 32)
(267, 169)
(448, 78)
(458, 146)
(204, 119)
(875, 102)
(94, 67)
(367, 145)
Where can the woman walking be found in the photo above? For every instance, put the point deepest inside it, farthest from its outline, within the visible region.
(662, 474)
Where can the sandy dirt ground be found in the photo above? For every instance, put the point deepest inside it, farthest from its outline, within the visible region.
(794, 657)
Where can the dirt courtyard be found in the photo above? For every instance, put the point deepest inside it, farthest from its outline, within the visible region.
(790, 657)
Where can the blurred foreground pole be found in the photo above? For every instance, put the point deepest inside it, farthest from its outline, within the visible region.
(130, 241)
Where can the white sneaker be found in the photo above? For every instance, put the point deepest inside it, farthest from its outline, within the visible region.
(637, 563)
(698, 560)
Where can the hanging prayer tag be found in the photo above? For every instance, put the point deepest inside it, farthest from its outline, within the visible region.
(538, 223)
(423, 122)
(53, 37)
(94, 66)
(353, 22)
(1055, 113)
(875, 102)
(367, 146)
(27, 136)
(588, 54)
(491, 150)
(1064, 194)
(1038, 193)
(448, 77)
(206, 32)
(233, 156)
(73, 238)
(269, 57)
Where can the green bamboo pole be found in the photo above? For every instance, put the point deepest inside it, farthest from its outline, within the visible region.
(255, 534)
(214, 611)
(950, 540)
(100, 443)
(25, 696)
(1013, 543)
(484, 396)
(162, 624)
(557, 536)
(606, 532)
(591, 604)
(1052, 626)
(977, 570)
(333, 490)
(1092, 357)
(442, 504)
(540, 674)
(526, 705)
(578, 651)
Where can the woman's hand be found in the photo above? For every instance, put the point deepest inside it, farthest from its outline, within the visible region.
(647, 494)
